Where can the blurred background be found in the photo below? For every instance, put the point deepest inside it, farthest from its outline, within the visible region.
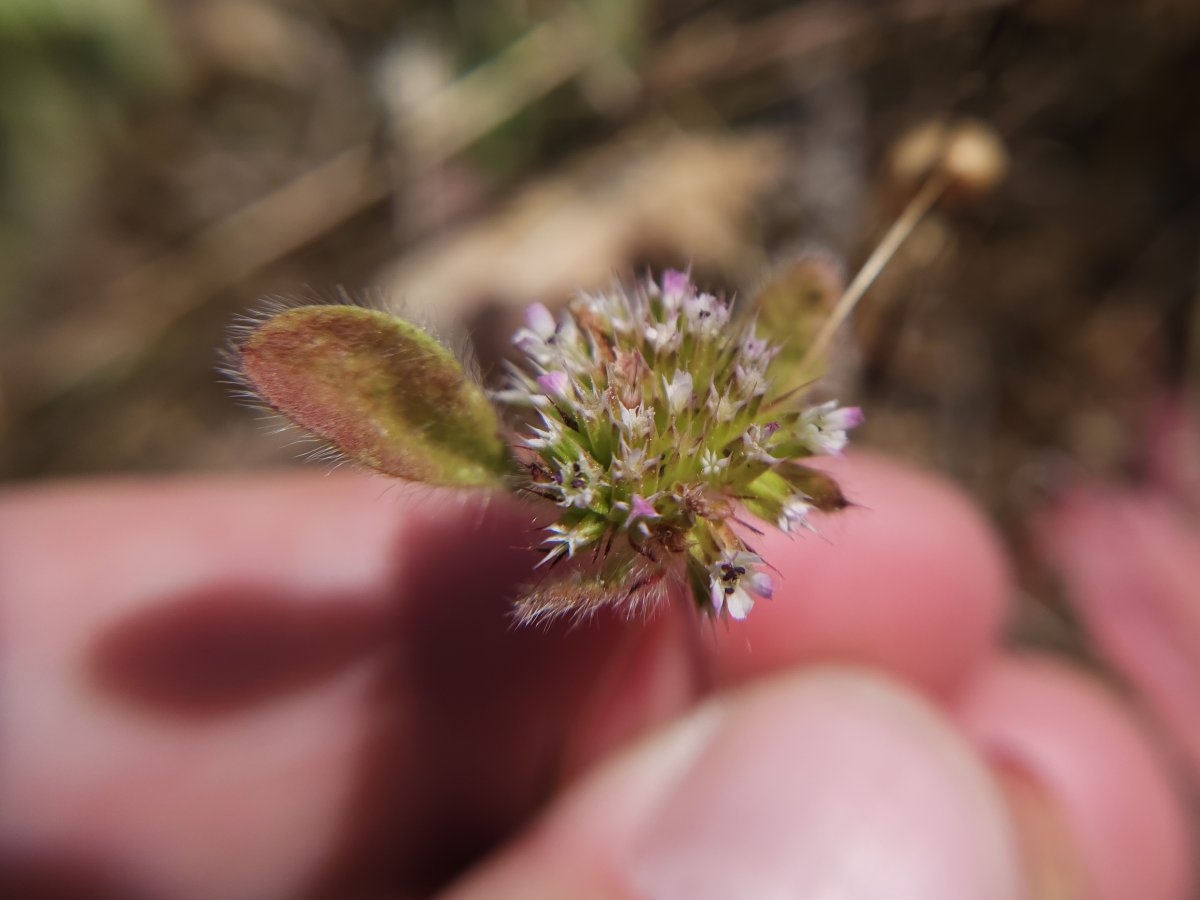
(166, 164)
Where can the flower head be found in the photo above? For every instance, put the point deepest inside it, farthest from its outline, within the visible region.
(661, 422)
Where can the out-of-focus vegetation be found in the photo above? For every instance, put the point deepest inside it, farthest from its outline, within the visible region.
(69, 71)
(163, 165)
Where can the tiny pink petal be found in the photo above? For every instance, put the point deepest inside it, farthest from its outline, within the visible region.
(554, 384)
(540, 320)
(718, 598)
(851, 417)
(675, 282)
(739, 605)
(762, 584)
(641, 508)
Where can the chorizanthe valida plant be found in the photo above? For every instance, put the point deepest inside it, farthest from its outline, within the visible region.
(652, 419)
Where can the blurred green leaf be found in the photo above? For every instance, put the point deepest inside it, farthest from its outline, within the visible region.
(68, 71)
(791, 306)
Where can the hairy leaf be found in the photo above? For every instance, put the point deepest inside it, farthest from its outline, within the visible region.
(380, 390)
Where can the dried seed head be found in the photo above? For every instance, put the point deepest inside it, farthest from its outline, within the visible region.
(975, 157)
(968, 154)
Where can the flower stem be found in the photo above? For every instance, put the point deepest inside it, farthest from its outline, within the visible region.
(917, 207)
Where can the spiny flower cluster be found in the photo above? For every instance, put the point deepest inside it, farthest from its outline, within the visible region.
(655, 420)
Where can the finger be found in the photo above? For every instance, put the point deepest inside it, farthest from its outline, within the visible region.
(910, 579)
(257, 687)
(377, 619)
(1132, 570)
(828, 783)
(1173, 449)
(1105, 822)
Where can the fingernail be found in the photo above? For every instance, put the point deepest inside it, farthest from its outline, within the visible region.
(832, 783)
(1053, 870)
(1122, 819)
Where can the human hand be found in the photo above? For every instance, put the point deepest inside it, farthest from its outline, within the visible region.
(1130, 560)
(306, 687)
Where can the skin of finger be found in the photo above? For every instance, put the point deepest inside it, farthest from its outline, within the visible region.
(1066, 734)
(371, 763)
(653, 677)
(77, 561)
(1131, 567)
(910, 578)
(1173, 448)
(821, 782)
(921, 597)
(175, 804)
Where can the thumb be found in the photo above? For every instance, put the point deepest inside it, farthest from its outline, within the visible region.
(827, 783)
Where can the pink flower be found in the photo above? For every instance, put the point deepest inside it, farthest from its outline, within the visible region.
(555, 385)
(641, 508)
(736, 581)
(675, 283)
(540, 321)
